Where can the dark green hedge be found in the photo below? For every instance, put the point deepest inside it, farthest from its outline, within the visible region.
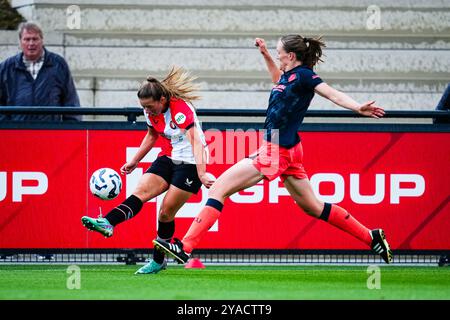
(9, 17)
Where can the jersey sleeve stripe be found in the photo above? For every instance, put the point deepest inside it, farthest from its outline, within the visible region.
(189, 126)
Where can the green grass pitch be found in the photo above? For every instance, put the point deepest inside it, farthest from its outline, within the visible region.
(99, 282)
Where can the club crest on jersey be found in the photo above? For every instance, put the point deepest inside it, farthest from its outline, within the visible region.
(172, 125)
(180, 118)
(292, 77)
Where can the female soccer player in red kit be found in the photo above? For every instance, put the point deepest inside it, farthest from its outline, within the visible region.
(281, 153)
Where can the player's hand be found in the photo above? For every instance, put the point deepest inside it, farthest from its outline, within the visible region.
(128, 167)
(369, 109)
(206, 181)
(261, 44)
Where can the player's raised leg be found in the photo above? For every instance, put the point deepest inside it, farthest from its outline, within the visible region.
(149, 186)
(301, 191)
(240, 176)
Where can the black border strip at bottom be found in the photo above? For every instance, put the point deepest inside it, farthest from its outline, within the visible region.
(229, 309)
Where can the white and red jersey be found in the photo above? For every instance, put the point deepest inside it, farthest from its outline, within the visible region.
(172, 126)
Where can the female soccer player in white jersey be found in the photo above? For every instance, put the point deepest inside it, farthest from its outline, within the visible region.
(180, 168)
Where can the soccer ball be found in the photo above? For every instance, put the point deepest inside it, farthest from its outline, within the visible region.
(105, 183)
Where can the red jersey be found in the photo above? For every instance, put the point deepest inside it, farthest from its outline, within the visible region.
(172, 126)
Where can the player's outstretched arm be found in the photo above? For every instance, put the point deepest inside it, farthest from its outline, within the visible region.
(368, 109)
(146, 145)
(200, 155)
(275, 72)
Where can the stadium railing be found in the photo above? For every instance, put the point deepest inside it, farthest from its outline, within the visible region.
(133, 113)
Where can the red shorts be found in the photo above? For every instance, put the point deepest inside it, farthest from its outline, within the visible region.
(273, 161)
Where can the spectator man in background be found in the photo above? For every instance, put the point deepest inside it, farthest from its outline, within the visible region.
(36, 77)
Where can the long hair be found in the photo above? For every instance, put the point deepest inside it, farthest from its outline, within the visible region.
(29, 25)
(307, 50)
(177, 84)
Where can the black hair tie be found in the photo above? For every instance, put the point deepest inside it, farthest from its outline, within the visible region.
(306, 42)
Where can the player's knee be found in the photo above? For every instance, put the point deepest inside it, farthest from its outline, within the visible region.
(141, 194)
(215, 192)
(147, 192)
(165, 217)
(167, 213)
(311, 211)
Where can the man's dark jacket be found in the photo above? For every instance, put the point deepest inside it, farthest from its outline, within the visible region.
(53, 87)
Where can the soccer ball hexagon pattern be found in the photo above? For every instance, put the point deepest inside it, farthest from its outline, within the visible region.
(105, 183)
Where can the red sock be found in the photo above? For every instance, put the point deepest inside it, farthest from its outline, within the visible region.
(343, 220)
(201, 224)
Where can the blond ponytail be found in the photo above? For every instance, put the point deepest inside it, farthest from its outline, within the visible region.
(180, 84)
(177, 84)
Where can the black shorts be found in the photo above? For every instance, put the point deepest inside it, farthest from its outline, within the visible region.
(181, 175)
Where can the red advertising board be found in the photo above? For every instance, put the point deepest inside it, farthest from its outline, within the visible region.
(396, 181)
